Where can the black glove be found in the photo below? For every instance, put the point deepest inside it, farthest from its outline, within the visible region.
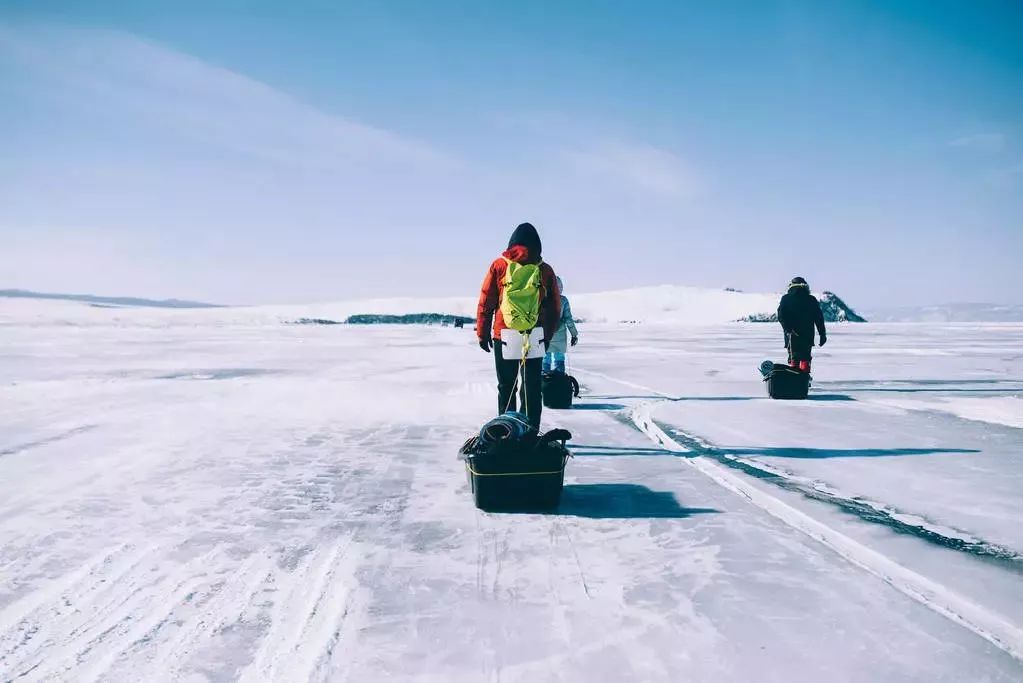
(824, 339)
(575, 340)
(486, 343)
(561, 435)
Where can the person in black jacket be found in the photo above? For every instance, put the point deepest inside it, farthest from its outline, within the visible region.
(799, 313)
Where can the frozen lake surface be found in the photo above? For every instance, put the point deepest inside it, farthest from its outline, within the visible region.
(221, 501)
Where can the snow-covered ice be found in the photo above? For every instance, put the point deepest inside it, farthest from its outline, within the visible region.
(217, 496)
(666, 304)
(999, 410)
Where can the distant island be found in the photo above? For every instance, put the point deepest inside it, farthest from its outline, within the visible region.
(835, 311)
(409, 319)
(388, 319)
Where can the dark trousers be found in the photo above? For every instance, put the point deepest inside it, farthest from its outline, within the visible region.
(800, 352)
(529, 385)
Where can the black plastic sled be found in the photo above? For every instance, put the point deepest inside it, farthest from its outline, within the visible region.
(784, 382)
(558, 390)
(516, 475)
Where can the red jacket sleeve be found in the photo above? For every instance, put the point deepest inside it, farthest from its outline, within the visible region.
(550, 307)
(487, 305)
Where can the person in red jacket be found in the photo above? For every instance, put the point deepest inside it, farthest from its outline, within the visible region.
(523, 247)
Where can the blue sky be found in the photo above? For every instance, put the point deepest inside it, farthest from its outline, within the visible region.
(258, 152)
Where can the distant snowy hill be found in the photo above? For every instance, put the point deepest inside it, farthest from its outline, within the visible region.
(951, 313)
(104, 300)
(667, 304)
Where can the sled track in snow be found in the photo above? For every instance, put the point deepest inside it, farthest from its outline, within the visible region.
(308, 619)
(165, 610)
(106, 608)
(864, 509)
(988, 625)
(133, 599)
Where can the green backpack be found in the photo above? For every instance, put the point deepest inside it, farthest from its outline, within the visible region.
(520, 298)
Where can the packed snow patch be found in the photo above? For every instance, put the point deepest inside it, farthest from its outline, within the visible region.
(999, 410)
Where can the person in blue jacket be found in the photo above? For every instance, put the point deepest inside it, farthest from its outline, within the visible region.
(558, 345)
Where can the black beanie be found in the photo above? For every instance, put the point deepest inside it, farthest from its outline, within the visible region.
(798, 282)
(526, 236)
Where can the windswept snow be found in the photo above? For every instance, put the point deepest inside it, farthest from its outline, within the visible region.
(671, 304)
(998, 410)
(214, 495)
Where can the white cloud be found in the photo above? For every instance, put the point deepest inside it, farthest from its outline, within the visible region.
(639, 166)
(981, 142)
(123, 76)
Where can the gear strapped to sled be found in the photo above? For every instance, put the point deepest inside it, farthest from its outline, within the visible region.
(517, 472)
(520, 295)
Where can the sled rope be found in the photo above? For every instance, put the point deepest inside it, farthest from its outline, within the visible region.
(568, 371)
(520, 377)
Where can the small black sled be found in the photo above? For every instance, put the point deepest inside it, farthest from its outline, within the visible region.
(558, 389)
(519, 476)
(784, 382)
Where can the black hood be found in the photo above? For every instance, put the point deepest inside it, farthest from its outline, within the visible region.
(799, 285)
(526, 236)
